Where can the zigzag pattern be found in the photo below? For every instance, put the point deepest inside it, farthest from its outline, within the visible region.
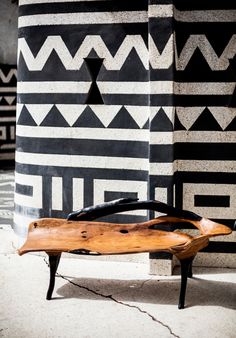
(189, 115)
(7, 100)
(7, 78)
(201, 42)
(157, 60)
(105, 116)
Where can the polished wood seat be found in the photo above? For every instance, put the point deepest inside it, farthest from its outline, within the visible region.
(80, 234)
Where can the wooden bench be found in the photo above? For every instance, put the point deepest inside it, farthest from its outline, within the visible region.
(80, 234)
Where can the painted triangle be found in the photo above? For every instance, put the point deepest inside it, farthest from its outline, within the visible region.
(88, 120)
(206, 121)
(9, 99)
(105, 113)
(134, 67)
(54, 119)
(25, 118)
(19, 107)
(92, 54)
(188, 115)
(139, 114)
(223, 115)
(169, 113)
(123, 120)
(39, 111)
(161, 122)
(71, 112)
(146, 125)
(4, 102)
(177, 124)
(231, 126)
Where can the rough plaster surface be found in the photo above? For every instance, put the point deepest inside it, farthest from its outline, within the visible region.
(8, 32)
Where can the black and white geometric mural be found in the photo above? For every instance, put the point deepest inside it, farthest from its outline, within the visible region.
(7, 115)
(125, 99)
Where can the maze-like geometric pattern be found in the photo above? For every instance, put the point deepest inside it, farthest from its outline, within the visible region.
(7, 115)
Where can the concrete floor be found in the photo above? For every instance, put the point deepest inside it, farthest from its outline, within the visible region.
(109, 299)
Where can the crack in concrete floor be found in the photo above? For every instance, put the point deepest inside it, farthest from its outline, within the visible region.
(118, 301)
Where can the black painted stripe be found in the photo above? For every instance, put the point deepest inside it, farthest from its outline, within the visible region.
(205, 177)
(161, 153)
(24, 189)
(200, 100)
(84, 6)
(120, 30)
(113, 195)
(110, 148)
(204, 4)
(86, 173)
(126, 99)
(204, 151)
(221, 247)
(212, 201)
(137, 72)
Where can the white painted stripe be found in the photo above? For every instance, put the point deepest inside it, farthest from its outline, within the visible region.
(160, 11)
(203, 136)
(124, 87)
(212, 15)
(161, 194)
(164, 137)
(5, 156)
(57, 200)
(78, 193)
(7, 119)
(74, 87)
(161, 169)
(205, 166)
(7, 89)
(77, 161)
(84, 133)
(107, 87)
(8, 146)
(82, 18)
(192, 166)
(204, 88)
(127, 135)
(7, 108)
(30, 2)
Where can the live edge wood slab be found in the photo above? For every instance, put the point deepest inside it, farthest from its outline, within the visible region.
(80, 235)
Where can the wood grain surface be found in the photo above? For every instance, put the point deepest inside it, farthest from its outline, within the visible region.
(54, 236)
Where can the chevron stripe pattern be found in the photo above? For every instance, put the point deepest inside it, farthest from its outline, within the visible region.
(7, 115)
(125, 99)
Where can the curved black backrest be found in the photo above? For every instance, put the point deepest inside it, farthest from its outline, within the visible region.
(127, 204)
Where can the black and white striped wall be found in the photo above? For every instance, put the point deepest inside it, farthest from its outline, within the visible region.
(7, 115)
(127, 98)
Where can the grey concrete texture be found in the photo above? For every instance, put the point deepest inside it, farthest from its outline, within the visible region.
(8, 32)
(109, 299)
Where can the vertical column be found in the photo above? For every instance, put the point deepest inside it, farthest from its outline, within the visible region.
(161, 157)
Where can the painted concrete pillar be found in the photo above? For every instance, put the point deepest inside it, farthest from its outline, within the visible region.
(119, 99)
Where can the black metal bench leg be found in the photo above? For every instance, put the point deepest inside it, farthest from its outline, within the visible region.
(53, 264)
(186, 271)
(190, 269)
